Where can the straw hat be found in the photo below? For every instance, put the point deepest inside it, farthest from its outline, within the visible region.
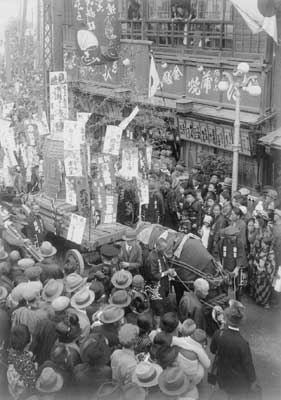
(173, 382)
(82, 299)
(122, 279)
(120, 298)
(52, 289)
(74, 282)
(47, 250)
(26, 263)
(146, 374)
(111, 314)
(60, 303)
(49, 381)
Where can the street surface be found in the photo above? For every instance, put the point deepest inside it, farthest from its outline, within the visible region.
(262, 329)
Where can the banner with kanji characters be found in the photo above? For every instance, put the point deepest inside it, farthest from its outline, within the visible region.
(58, 102)
(98, 31)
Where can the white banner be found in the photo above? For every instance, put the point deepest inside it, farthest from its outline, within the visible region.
(76, 228)
(123, 125)
(112, 140)
(70, 196)
(82, 119)
(58, 101)
(71, 135)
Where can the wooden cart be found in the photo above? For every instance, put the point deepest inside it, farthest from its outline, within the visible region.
(56, 217)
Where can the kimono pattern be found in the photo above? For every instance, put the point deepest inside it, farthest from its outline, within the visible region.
(265, 268)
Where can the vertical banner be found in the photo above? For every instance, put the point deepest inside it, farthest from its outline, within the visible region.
(72, 150)
(130, 163)
(76, 228)
(112, 140)
(98, 31)
(58, 102)
(82, 118)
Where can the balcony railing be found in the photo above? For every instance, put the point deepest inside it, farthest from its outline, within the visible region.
(198, 34)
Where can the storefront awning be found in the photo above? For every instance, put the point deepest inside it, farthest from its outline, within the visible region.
(272, 139)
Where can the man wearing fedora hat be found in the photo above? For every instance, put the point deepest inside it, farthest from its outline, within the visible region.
(235, 369)
(49, 381)
(50, 269)
(130, 252)
(146, 375)
(173, 382)
(111, 318)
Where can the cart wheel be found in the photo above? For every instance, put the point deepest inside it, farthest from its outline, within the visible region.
(75, 258)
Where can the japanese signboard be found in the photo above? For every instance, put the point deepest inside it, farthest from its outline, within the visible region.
(98, 31)
(112, 140)
(58, 101)
(76, 228)
(199, 82)
(211, 134)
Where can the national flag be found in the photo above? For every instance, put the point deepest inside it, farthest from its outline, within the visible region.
(154, 80)
(260, 15)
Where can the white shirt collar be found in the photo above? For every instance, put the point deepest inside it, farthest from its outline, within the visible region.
(128, 248)
(233, 328)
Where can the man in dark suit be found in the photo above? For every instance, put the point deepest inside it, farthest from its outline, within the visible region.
(130, 253)
(235, 370)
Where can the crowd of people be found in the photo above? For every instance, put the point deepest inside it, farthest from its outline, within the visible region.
(100, 334)
(240, 231)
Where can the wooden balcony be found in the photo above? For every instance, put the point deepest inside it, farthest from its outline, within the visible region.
(196, 36)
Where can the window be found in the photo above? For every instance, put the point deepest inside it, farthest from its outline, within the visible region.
(159, 9)
(213, 9)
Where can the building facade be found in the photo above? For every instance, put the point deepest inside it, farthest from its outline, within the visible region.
(193, 43)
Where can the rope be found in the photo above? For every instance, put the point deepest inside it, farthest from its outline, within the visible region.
(189, 290)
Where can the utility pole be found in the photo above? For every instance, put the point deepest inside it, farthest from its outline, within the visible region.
(23, 25)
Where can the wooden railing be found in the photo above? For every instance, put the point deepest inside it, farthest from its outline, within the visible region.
(197, 34)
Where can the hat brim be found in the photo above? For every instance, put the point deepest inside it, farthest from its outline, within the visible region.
(124, 286)
(152, 383)
(70, 290)
(56, 388)
(124, 305)
(117, 318)
(57, 294)
(85, 305)
(183, 389)
(54, 251)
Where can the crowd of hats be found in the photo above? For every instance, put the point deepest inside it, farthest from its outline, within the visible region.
(86, 298)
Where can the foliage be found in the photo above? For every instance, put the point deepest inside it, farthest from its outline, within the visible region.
(211, 163)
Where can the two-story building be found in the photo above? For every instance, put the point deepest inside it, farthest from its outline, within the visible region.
(193, 43)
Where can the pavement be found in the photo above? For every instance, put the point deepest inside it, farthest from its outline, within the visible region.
(262, 329)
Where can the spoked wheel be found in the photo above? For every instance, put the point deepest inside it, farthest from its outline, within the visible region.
(73, 257)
